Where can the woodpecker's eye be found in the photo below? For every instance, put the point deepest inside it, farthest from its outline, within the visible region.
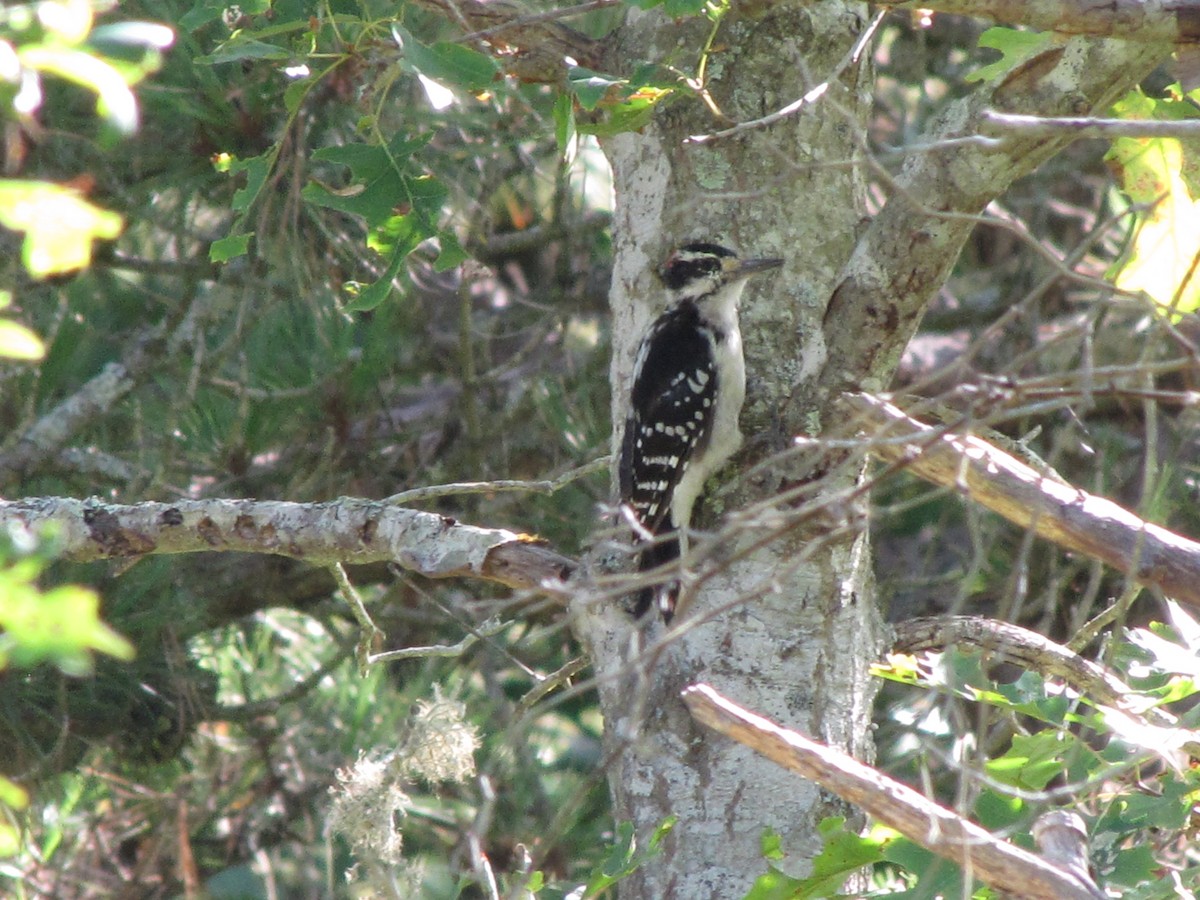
(689, 265)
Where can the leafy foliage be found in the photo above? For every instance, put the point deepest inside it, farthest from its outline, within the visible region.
(1053, 744)
(337, 251)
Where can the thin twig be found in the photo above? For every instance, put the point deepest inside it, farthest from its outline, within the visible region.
(548, 486)
(552, 15)
(552, 681)
(809, 98)
(487, 629)
(369, 632)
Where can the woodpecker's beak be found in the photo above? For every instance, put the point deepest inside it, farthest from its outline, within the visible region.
(744, 268)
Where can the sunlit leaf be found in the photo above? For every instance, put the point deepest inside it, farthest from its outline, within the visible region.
(405, 234)
(59, 225)
(1031, 760)
(1015, 47)
(1164, 256)
(19, 342)
(61, 625)
(68, 20)
(114, 99)
(133, 34)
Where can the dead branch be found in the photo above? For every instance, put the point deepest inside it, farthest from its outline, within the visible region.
(1059, 512)
(344, 530)
(922, 821)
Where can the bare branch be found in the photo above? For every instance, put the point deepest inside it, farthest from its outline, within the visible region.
(345, 530)
(1066, 515)
(894, 804)
(998, 123)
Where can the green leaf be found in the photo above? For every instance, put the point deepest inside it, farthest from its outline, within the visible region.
(257, 168)
(564, 123)
(591, 87)
(774, 885)
(625, 858)
(628, 115)
(1134, 866)
(60, 226)
(404, 241)
(1015, 47)
(241, 47)
(381, 181)
(680, 9)
(1031, 761)
(453, 64)
(228, 248)
(202, 14)
(996, 811)
(771, 845)
(844, 853)
(12, 795)
(451, 254)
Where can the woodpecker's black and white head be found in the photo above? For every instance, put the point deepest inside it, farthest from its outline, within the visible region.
(701, 271)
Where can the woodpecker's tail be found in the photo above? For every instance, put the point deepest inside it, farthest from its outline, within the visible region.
(662, 552)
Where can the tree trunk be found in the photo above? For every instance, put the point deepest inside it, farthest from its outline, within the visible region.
(791, 641)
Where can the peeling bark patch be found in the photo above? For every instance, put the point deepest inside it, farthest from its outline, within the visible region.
(171, 516)
(366, 532)
(888, 316)
(1023, 81)
(449, 521)
(209, 532)
(245, 527)
(105, 530)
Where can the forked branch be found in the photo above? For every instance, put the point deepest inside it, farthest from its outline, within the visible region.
(1066, 515)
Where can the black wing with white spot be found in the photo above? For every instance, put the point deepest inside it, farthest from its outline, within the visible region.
(674, 389)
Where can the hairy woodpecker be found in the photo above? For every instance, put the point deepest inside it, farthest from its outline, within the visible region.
(689, 382)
